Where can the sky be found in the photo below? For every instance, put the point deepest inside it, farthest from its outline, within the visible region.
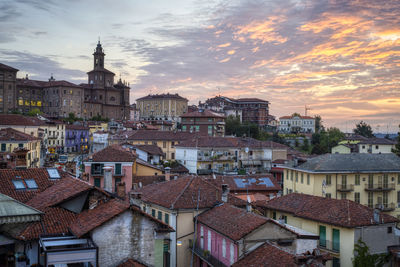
(340, 58)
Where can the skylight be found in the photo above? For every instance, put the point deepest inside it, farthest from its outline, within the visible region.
(53, 173)
(31, 184)
(19, 184)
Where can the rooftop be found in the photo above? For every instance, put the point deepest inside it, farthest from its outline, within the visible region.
(229, 142)
(203, 114)
(150, 149)
(113, 153)
(12, 211)
(182, 193)
(162, 96)
(353, 162)
(260, 182)
(344, 213)
(6, 67)
(15, 119)
(11, 135)
(151, 135)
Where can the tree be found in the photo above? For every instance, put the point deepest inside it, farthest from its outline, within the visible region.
(318, 124)
(306, 145)
(364, 129)
(34, 112)
(232, 124)
(363, 258)
(324, 141)
(396, 149)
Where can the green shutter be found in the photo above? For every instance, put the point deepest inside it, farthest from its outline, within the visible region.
(322, 236)
(3, 147)
(335, 239)
(153, 213)
(166, 218)
(97, 182)
(118, 168)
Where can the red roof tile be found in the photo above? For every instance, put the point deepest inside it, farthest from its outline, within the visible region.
(151, 149)
(151, 135)
(15, 119)
(10, 134)
(93, 218)
(203, 114)
(344, 213)
(114, 153)
(40, 175)
(231, 221)
(182, 194)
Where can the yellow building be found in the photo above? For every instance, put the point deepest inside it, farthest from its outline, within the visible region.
(162, 107)
(95, 126)
(339, 224)
(369, 179)
(11, 140)
(143, 168)
(361, 144)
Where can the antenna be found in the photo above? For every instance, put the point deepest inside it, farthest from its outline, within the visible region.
(306, 109)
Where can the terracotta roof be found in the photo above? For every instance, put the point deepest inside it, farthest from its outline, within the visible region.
(15, 119)
(146, 180)
(131, 263)
(31, 83)
(207, 141)
(206, 113)
(182, 194)
(151, 149)
(59, 192)
(271, 255)
(158, 96)
(76, 127)
(249, 100)
(259, 182)
(6, 67)
(344, 213)
(300, 116)
(10, 134)
(93, 218)
(231, 221)
(113, 153)
(40, 175)
(151, 135)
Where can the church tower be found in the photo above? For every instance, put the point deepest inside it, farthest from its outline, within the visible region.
(98, 57)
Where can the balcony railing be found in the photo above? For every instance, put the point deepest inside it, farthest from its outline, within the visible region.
(206, 256)
(345, 187)
(380, 187)
(386, 206)
(329, 245)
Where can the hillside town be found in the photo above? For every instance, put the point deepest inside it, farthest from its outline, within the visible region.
(90, 178)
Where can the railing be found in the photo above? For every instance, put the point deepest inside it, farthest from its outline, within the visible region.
(345, 187)
(380, 187)
(329, 245)
(386, 206)
(206, 256)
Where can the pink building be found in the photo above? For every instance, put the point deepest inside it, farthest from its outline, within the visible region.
(110, 166)
(225, 234)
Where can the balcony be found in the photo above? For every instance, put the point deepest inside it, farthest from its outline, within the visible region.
(386, 206)
(206, 256)
(329, 246)
(345, 187)
(380, 187)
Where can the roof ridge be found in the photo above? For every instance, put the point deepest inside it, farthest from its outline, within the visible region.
(183, 191)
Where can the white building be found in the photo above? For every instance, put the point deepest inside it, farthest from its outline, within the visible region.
(296, 124)
(100, 141)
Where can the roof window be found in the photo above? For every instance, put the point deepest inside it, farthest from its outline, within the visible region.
(31, 184)
(53, 173)
(19, 184)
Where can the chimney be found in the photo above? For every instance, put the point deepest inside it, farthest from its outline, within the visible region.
(121, 190)
(225, 191)
(248, 207)
(167, 173)
(135, 198)
(108, 178)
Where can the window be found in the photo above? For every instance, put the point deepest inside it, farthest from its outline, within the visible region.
(357, 179)
(370, 199)
(209, 240)
(343, 196)
(184, 128)
(19, 184)
(328, 179)
(117, 181)
(344, 181)
(357, 197)
(328, 195)
(274, 215)
(3, 147)
(322, 236)
(97, 169)
(398, 178)
(389, 230)
(159, 215)
(232, 254)
(287, 174)
(210, 130)
(166, 216)
(172, 155)
(308, 179)
(118, 169)
(97, 182)
(31, 184)
(335, 262)
(297, 177)
(224, 248)
(302, 177)
(153, 213)
(201, 237)
(370, 181)
(291, 175)
(335, 240)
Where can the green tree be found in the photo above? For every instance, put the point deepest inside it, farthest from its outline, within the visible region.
(306, 145)
(396, 149)
(364, 129)
(232, 125)
(34, 112)
(363, 257)
(324, 141)
(318, 124)
(278, 139)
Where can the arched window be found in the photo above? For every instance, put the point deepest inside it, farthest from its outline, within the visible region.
(112, 98)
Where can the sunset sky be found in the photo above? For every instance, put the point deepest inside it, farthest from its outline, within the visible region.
(340, 58)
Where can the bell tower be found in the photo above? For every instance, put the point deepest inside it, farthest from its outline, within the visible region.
(98, 57)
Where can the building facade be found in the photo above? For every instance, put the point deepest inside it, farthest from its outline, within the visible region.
(8, 76)
(205, 122)
(76, 139)
(296, 124)
(162, 107)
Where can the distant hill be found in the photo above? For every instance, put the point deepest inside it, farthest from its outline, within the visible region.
(382, 135)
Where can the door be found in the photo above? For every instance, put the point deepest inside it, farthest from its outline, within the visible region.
(322, 236)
